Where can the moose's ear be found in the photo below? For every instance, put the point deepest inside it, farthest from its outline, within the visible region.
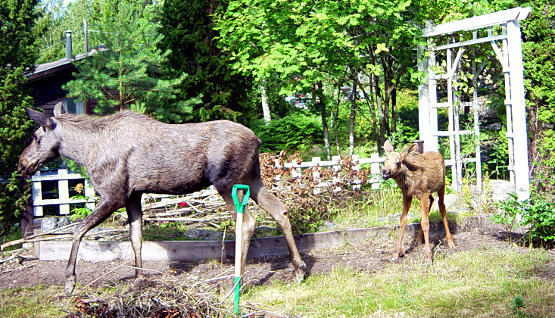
(387, 147)
(58, 109)
(37, 117)
(409, 149)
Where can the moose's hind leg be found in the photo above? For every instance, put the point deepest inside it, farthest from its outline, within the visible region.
(443, 211)
(278, 211)
(425, 225)
(135, 215)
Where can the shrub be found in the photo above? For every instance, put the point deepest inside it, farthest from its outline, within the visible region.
(536, 213)
(290, 133)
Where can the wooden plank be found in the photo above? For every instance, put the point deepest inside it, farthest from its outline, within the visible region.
(200, 250)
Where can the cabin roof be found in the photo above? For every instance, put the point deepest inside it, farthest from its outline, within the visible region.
(52, 68)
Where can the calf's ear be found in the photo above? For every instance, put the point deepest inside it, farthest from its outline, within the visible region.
(409, 149)
(387, 147)
(37, 117)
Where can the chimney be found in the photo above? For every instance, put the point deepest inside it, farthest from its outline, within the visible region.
(68, 44)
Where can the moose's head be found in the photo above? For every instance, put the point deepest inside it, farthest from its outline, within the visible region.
(394, 162)
(45, 144)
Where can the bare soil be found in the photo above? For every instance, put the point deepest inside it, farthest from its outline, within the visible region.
(369, 256)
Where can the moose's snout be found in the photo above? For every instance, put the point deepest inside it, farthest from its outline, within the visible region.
(386, 174)
(21, 166)
(24, 168)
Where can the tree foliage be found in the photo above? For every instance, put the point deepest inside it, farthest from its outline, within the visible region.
(295, 132)
(539, 74)
(127, 72)
(188, 34)
(56, 20)
(327, 43)
(17, 55)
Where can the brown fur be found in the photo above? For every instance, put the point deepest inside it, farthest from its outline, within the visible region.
(128, 154)
(418, 176)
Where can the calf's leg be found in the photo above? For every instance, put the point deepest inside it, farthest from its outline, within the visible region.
(101, 212)
(425, 225)
(448, 236)
(398, 251)
(135, 215)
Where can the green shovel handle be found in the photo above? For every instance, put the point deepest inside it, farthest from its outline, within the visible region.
(240, 206)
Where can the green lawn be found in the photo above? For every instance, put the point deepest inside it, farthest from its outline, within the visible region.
(486, 283)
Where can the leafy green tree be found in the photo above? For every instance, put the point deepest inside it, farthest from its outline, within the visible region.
(17, 56)
(539, 73)
(188, 34)
(316, 46)
(127, 73)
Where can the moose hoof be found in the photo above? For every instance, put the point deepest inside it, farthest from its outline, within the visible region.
(429, 258)
(397, 255)
(70, 285)
(300, 273)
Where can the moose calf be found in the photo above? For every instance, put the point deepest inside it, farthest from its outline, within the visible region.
(418, 175)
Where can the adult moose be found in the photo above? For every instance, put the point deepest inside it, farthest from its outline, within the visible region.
(128, 154)
(418, 175)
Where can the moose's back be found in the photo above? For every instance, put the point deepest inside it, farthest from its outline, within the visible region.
(149, 156)
(434, 169)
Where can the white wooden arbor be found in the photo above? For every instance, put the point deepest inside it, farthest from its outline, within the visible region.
(502, 30)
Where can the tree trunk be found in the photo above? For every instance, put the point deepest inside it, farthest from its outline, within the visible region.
(319, 100)
(334, 120)
(265, 107)
(381, 116)
(394, 110)
(352, 118)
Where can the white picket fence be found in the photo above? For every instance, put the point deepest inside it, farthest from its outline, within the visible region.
(62, 177)
(335, 163)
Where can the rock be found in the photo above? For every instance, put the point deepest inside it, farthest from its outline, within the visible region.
(451, 201)
(49, 223)
(500, 189)
(63, 221)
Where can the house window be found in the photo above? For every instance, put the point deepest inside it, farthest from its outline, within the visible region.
(72, 106)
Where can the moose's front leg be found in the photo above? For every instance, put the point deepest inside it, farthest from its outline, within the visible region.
(101, 212)
(398, 251)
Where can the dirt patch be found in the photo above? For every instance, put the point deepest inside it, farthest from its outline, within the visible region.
(368, 256)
